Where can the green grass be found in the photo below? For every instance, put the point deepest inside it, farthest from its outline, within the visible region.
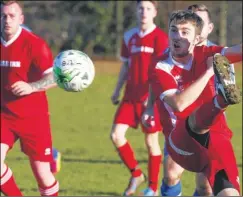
(81, 124)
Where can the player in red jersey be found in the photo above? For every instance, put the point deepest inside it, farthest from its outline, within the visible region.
(140, 46)
(56, 163)
(26, 72)
(171, 184)
(188, 99)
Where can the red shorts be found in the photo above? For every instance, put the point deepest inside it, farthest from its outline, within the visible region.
(34, 134)
(130, 113)
(192, 156)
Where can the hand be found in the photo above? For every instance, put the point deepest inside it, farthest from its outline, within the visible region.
(21, 88)
(148, 118)
(210, 65)
(145, 103)
(114, 98)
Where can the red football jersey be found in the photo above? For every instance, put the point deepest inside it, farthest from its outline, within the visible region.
(139, 49)
(169, 76)
(25, 57)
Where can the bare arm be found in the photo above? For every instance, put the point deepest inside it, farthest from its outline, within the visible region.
(121, 80)
(122, 77)
(149, 111)
(43, 84)
(151, 98)
(181, 100)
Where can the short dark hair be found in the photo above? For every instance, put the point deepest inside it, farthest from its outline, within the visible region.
(184, 16)
(156, 5)
(202, 8)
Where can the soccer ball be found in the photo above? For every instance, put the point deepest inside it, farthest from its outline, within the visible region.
(73, 70)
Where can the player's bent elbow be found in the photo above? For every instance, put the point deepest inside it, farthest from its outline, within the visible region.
(180, 103)
(176, 104)
(179, 107)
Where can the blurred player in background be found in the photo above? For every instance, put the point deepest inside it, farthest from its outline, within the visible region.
(56, 163)
(171, 185)
(197, 129)
(26, 72)
(140, 46)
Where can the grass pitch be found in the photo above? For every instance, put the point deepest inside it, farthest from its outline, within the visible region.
(81, 124)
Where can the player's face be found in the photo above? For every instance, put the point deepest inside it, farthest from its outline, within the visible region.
(11, 18)
(146, 12)
(182, 39)
(207, 27)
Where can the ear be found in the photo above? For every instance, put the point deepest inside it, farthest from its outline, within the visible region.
(197, 39)
(210, 27)
(156, 12)
(22, 19)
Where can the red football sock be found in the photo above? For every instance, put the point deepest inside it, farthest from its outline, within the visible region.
(8, 184)
(127, 155)
(210, 112)
(153, 171)
(51, 190)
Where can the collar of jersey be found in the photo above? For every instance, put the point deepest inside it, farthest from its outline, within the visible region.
(183, 66)
(12, 39)
(142, 34)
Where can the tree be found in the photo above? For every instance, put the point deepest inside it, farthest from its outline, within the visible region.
(223, 23)
(119, 26)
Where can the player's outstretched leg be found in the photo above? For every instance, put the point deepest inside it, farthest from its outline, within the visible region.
(48, 185)
(56, 163)
(7, 181)
(127, 156)
(227, 94)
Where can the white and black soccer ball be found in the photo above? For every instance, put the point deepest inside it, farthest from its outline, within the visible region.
(73, 70)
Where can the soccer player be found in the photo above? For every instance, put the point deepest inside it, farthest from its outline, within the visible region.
(56, 162)
(188, 99)
(171, 185)
(140, 46)
(26, 72)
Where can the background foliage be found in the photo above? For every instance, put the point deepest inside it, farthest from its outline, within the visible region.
(96, 27)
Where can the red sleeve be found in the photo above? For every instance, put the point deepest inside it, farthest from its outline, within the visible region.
(42, 57)
(124, 51)
(161, 43)
(162, 82)
(219, 49)
(211, 50)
